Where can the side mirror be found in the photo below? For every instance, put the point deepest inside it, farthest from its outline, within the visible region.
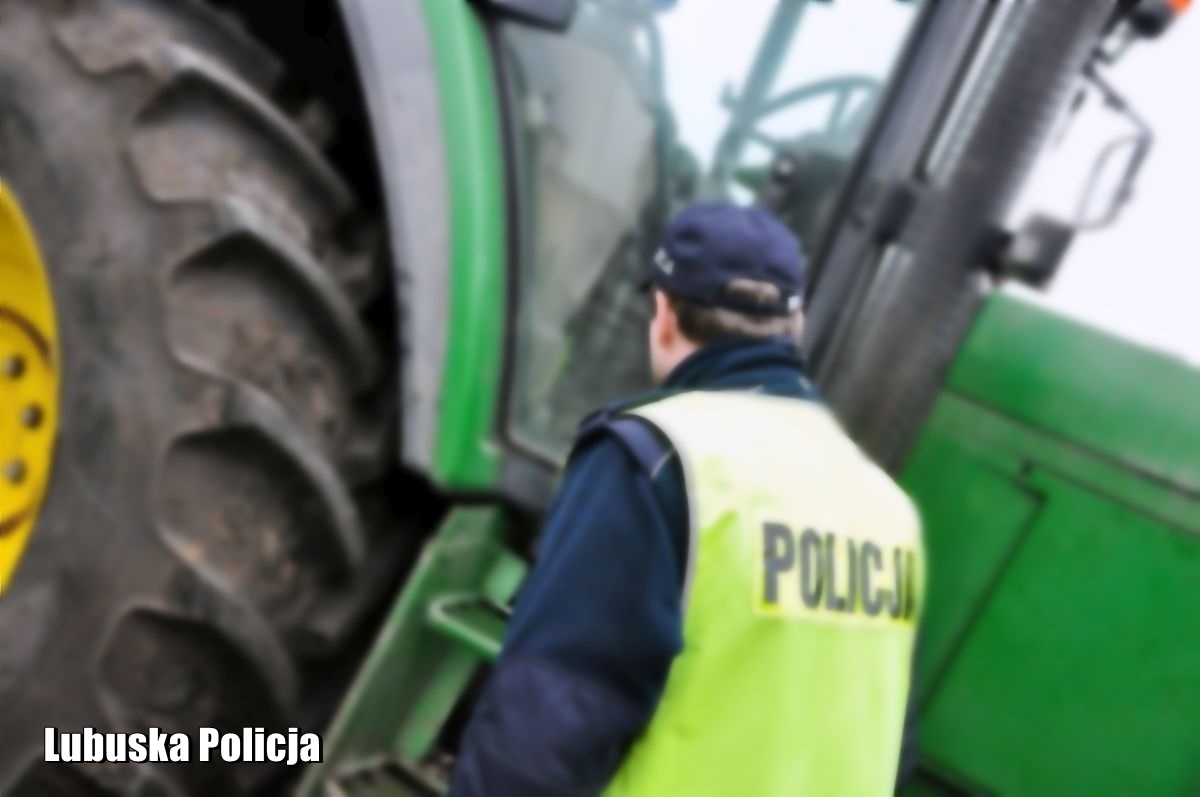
(1034, 253)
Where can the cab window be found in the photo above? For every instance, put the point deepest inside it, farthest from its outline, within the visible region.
(644, 107)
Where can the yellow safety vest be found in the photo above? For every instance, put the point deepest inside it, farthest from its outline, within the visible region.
(804, 585)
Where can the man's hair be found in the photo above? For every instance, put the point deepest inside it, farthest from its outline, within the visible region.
(702, 324)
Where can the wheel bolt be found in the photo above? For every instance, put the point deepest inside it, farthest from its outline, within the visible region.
(32, 416)
(13, 367)
(14, 471)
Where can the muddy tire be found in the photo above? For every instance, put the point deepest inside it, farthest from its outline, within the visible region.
(214, 533)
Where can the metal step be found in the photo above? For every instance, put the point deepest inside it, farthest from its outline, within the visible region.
(449, 621)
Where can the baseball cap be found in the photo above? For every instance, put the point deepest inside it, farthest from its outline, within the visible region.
(713, 244)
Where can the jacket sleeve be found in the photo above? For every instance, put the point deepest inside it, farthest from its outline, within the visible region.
(593, 635)
(907, 770)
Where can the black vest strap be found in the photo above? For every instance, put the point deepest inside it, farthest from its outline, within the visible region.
(643, 442)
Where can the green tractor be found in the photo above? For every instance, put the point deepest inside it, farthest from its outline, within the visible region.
(300, 303)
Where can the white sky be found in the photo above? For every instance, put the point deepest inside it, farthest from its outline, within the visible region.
(708, 50)
(1141, 277)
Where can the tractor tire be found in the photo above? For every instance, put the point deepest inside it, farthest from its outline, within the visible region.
(216, 538)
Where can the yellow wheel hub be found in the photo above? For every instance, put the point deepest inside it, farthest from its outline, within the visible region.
(29, 372)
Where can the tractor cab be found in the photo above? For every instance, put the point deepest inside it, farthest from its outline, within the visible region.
(300, 308)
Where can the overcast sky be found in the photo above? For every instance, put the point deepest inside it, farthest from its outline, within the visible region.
(1141, 277)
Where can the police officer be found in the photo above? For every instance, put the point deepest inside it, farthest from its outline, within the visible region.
(727, 591)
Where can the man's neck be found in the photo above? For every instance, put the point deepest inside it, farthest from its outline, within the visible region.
(739, 363)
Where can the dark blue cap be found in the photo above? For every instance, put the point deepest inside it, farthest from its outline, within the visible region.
(709, 245)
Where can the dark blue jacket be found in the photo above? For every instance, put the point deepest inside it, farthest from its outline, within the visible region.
(598, 623)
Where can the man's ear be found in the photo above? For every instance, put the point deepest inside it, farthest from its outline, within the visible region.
(665, 324)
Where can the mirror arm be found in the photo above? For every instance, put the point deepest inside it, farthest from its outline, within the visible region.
(1142, 142)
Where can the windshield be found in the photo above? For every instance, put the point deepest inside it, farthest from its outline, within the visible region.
(642, 108)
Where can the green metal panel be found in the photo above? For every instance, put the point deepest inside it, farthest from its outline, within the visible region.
(1081, 675)
(966, 487)
(1123, 401)
(443, 627)
(1061, 653)
(467, 458)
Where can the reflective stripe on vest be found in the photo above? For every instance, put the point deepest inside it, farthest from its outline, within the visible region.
(803, 590)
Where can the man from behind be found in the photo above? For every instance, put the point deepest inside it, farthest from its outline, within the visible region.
(727, 593)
